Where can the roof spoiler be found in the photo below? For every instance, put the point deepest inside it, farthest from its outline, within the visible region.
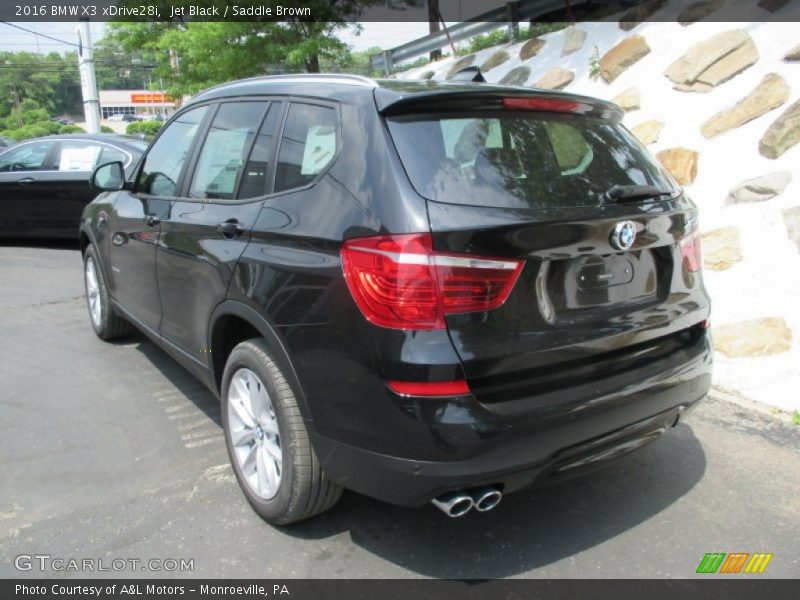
(455, 97)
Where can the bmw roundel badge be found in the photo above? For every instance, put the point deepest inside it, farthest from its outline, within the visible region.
(623, 235)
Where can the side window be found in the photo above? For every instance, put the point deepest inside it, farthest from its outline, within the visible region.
(225, 148)
(77, 155)
(308, 145)
(163, 164)
(111, 154)
(254, 177)
(27, 157)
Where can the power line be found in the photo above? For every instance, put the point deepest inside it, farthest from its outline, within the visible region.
(40, 34)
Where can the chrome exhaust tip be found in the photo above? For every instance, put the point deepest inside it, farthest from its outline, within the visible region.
(454, 504)
(486, 499)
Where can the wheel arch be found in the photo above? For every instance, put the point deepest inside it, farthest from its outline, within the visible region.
(232, 322)
(83, 240)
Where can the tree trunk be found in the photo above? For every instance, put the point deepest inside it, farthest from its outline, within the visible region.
(312, 64)
(433, 25)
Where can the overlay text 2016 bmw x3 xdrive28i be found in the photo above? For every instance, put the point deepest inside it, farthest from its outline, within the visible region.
(423, 292)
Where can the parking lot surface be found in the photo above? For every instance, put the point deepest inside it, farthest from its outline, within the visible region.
(114, 451)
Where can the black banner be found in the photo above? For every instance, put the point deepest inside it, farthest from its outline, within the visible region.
(413, 589)
(397, 10)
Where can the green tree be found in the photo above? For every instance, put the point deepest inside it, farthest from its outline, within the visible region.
(190, 56)
(50, 80)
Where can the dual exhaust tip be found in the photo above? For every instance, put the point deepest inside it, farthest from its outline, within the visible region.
(458, 504)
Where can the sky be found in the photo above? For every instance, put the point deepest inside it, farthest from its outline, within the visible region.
(385, 35)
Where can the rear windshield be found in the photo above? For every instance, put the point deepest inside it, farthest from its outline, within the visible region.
(528, 161)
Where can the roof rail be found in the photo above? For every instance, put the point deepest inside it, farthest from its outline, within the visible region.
(360, 79)
(344, 78)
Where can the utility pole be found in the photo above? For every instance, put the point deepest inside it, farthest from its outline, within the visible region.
(91, 103)
(433, 26)
(14, 93)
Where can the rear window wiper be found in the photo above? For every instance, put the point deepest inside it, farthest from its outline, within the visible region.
(630, 193)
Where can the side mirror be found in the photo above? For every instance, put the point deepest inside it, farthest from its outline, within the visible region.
(109, 177)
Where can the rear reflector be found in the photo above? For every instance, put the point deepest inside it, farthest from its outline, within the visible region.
(399, 282)
(429, 388)
(545, 104)
(690, 250)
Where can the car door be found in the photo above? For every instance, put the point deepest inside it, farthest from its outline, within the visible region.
(134, 222)
(21, 169)
(208, 226)
(64, 190)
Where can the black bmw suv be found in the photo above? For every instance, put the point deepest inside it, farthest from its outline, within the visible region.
(420, 291)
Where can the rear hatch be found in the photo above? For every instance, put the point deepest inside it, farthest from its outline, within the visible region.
(610, 267)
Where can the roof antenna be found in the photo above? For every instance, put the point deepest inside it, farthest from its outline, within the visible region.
(472, 74)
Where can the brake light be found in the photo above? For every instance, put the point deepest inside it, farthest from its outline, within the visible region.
(544, 104)
(429, 388)
(690, 250)
(399, 282)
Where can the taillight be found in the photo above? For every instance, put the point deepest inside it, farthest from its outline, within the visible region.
(690, 250)
(399, 282)
(545, 104)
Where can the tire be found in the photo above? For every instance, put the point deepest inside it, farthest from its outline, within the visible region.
(285, 491)
(107, 324)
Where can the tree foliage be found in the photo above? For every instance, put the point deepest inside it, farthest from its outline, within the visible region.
(52, 81)
(190, 55)
(30, 121)
(146, 128)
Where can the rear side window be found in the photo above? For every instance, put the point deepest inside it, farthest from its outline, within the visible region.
(78, 155)
(308, 145)
(225, 149)
(530, 161)
(166, 158)
(111, 154)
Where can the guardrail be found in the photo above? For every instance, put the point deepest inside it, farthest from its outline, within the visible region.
(511, 13)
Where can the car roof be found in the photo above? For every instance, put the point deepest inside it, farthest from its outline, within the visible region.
(387, 92)
(128, 141)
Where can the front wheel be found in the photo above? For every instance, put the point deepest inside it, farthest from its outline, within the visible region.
(268, 443)
(107, 324)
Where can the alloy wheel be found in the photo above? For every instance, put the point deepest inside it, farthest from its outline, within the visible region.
(93, 297)
(254, 434)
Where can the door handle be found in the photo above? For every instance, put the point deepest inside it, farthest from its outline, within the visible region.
(230, 228)
(26, 180)
(152, 220)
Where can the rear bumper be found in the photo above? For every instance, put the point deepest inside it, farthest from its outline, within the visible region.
(514, 448)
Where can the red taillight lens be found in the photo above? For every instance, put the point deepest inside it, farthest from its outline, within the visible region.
(399, 282)
(544, 104)
(690, 250)
(429, 388)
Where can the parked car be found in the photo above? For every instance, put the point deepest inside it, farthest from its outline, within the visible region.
(131, 118)
(44, 182)
(423, 292)
(6, 142)
(63, 120)
(116, 117)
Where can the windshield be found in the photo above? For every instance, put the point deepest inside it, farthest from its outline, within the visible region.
(514, 161)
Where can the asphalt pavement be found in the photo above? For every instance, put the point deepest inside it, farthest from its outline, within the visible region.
(113, 451)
